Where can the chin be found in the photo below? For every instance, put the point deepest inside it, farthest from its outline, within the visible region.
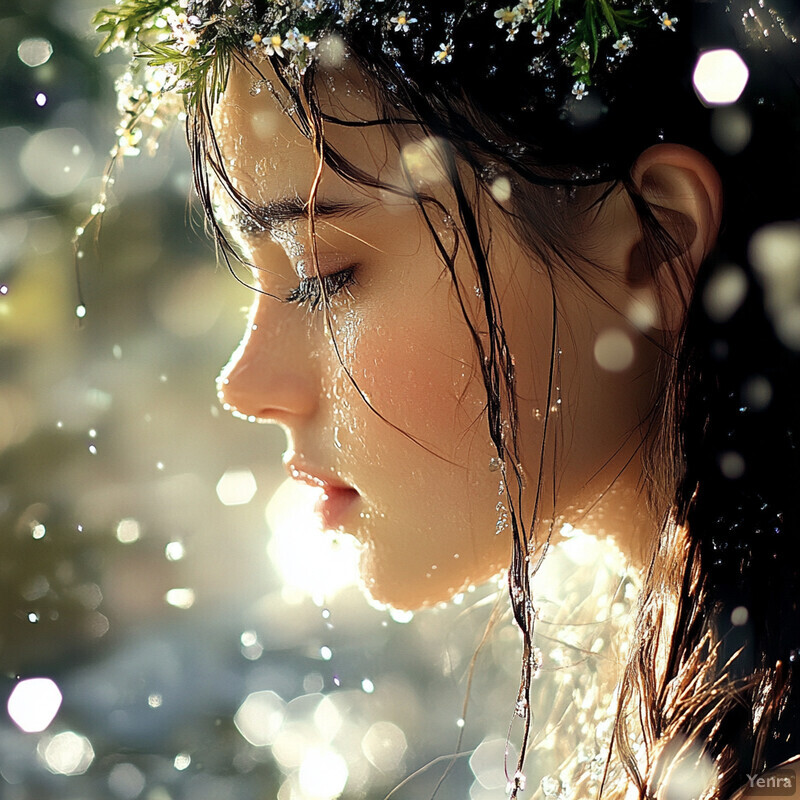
(411, 589)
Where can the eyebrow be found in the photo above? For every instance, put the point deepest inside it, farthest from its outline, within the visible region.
(266, 218)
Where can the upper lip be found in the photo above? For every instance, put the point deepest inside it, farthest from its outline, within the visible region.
(314, 476)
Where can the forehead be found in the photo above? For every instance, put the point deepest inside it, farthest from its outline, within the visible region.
(266, 156)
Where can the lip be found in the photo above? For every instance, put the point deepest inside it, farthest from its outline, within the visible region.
(336, 500)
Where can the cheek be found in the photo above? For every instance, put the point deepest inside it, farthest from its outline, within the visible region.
(418, 370)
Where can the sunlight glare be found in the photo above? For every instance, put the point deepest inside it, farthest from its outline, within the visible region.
(311, 562)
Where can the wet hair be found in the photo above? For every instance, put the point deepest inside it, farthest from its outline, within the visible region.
(718, 628)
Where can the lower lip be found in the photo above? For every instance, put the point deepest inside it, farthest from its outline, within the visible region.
(333, 506)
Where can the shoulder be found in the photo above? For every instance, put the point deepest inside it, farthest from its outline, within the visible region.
(780, 781)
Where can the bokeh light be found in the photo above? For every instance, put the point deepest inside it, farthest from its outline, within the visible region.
(323, 774)
(35, 51)
(182, 597)
(34, 703)
(720, 77)
(384, 744)
(55, 161)
(236, 487)
(67, 753)
(260, 717)
(613, 350)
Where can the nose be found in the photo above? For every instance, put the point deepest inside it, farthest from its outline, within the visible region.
(270, 374)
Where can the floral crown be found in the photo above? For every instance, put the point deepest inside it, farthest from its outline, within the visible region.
(181, 47)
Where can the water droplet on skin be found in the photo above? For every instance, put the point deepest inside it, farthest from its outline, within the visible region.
(494, 464)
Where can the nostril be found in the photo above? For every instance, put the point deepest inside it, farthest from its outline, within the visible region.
(263, 391)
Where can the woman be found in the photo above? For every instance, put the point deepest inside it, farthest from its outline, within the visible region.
(512, 278)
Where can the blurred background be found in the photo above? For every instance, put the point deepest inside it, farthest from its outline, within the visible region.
(171, 624)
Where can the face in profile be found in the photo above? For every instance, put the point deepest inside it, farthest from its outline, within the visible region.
(357, 345)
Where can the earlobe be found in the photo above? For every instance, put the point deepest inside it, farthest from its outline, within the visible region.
(684, 192)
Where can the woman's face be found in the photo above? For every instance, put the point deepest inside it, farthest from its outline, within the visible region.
(383, 404)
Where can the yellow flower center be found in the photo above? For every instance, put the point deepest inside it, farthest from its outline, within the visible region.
(667, 22)
(257, 37)
(401, 19)
(276, 40)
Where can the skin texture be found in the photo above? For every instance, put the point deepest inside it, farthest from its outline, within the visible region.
(383, 394)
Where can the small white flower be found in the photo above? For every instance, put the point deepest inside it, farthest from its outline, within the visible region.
(128, 141)
(527, 6)
(186, 37)
(668, 23)
(579, 90)
(512, 34)
(255, 41)
(508, 16)
(540, 34)
(623, 45)
(293, 41)
(444, 54)
(402, 21)
(537, 65)
(274, 46)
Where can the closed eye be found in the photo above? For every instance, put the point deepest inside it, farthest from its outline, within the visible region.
(313, 291)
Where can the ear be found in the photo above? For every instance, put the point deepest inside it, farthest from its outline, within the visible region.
(684, 192)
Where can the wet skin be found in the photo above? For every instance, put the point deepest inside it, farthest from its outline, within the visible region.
(381, 396)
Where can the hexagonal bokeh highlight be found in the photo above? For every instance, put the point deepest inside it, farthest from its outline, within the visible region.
(720, 77)
(34, 704)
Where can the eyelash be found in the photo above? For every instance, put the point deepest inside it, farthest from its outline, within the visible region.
(309, 291)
